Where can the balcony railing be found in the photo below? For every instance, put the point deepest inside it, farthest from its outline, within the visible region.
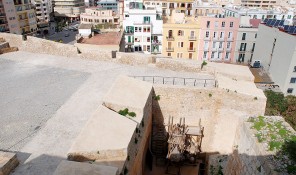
(207, 38)
(191, 49)
(221, 49)
(214, 49)
(221, 39)
(129, 32)
(230, 39)
(241, 50)
(156, 52)
(155, 42)
(228, 49)
(129, 43)
(170, 49)
(170, 38)
(206, 48)
(215, 39)
(192, 38)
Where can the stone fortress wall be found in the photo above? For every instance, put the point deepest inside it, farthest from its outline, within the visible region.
(221, 109)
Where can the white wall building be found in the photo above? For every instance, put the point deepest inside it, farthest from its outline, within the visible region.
(259, 13)
(69, 8)
(43, 11)
(246, 39)
(142, 28)
(276, 49)
(96, 16)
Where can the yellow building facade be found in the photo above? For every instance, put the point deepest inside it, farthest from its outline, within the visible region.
(180, 37)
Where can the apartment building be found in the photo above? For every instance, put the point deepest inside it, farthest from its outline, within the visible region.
(261, 13)
(206, 9)
(108, 4)
(20, 16)
(180, 36)
(69, 8)
(97, 16)
(167, 6)
(3, 21)
(43, 11)
(217, 38)
(142, 28)
(260, 3)
(246, 39)
(276, 49)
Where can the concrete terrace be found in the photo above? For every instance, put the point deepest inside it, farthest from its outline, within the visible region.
(46, 100)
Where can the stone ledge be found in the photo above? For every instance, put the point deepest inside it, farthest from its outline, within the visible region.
(77, 168)
(8, 162)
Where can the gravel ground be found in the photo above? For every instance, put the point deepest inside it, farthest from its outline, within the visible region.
(46, 100)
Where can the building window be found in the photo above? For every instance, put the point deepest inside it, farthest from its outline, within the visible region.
(293, 80)
(223, 24)
(148, 39)
(228, 45)
(214, 45)
(290, 90)
(180, 44)
(289, 16)
(207, 34)
(148, 48)
(244, 36)
(229, 34)
(220, 44)
(216, 23)
(190, 55)
(231, 24)
(227, 55)
(215, 34)
(208, 24)
(179, 55)
(294, 69)
(180, 33)
(212, 55)
(221, 34)
(169, 54)
(205, 54)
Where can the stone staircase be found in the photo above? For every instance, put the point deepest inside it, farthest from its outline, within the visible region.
(158, 141)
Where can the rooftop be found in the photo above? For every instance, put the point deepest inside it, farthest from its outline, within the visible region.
(85, 26)
(110, 38)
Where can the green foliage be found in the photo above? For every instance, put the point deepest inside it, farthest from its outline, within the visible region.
(274, 144)
(259, 169)
(126, 112)
(258, 125)
(157, 97)
(203, 64)
(276, 103)
(260, 137)
(123, 112)
(255, 98)
(289, 147)
(210, 95)
(136, 140)
(132, 114)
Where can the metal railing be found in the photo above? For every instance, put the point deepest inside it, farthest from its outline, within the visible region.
(178, 81)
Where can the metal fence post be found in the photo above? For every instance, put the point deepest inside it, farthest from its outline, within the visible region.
(194, 82)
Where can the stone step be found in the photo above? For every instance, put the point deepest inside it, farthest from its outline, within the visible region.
(8, 162)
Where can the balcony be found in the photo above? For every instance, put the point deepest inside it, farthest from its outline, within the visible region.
(192, 38)
(142, 23)
(170, 38)
(221, 49)
(170, 49)
(155, 42)
(230, 39)
(191, 49)
(2, 14)
(241, 50)
(221, 39)
(129, 32)
(156, 51)
(206, 49)
(228, 49)
(215, 39)
(129, 43)
(214, 49)
(207, 38)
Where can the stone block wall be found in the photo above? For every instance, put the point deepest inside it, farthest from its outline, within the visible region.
(135, 162)
(249, 156)
(218, 109)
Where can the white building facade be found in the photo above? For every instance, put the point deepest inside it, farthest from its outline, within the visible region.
(142, 29)
(276, 49)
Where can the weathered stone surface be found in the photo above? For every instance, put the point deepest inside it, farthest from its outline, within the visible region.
(8, 162)
(77, 168)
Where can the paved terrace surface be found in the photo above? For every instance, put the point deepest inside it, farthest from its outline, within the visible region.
(110, 38)
(46, 100)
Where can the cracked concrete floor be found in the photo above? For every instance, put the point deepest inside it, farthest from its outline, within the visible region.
(45, 101)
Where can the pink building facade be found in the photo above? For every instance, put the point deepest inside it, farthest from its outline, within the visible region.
(217, 39)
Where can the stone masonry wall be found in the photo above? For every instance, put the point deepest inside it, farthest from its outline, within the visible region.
(218, 109)
(249, 157)
(139, 143)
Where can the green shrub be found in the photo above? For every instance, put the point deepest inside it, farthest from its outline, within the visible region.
(203, 64)
(157, 97)
(132, 114)
(123, 112)
(210, 95)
